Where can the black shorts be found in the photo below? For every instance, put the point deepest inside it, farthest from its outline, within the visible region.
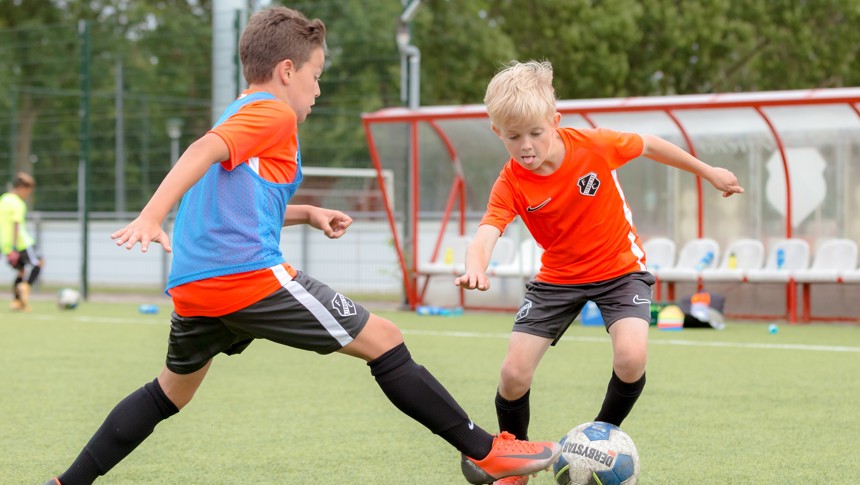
(304, 314)
(30, 256)
(549, 309)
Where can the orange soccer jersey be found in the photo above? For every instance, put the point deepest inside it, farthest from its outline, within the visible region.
(577, 214)
(263, 134)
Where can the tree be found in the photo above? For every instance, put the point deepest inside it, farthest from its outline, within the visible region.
(646, 47)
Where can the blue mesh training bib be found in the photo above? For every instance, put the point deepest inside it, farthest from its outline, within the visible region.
(230, 221)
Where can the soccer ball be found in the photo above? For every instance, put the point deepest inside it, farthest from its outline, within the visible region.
(68, 299)
(597, 454)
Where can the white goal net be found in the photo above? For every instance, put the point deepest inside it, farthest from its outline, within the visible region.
(346, 189)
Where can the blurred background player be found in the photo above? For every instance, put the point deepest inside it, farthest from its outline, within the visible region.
(562, 183)
(230, 284)
(16, 243)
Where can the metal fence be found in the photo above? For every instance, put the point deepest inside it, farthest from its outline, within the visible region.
(361, 262)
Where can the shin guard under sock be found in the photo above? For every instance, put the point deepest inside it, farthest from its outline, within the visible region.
(619, 400)
(514, 415)
(127, 425)
(415, 392)
(34, 275)
(18, 280)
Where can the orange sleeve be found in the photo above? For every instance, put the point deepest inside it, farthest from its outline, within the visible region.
(616, 147)
(256, 128)
(500, 208)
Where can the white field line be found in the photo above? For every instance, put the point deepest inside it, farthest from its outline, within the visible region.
(677, 342)
(154, 320)
(164, 320)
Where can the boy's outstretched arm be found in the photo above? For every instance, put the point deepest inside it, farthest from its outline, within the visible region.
(331, 222)
(667, 153)
(478, 257)
(190, 168)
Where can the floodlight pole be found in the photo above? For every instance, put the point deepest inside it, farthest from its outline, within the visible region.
(410, 56)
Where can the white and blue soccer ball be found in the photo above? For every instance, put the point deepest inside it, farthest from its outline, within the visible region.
(597, 453)
(68, 299)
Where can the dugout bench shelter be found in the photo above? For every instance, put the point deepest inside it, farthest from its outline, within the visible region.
(797, 154)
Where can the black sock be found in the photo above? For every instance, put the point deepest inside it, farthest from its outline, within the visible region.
(415, 392)
(130, 422)
(18, 279)
(514, 415)
(619, 400)
(34, 275)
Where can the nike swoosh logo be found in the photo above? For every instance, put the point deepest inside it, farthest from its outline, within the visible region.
(546, 453)
(471, 424)
(537, 207)
(640, 301)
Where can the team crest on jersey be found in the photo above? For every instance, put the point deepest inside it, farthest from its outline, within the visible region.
(588, 184)
(344, 306)
(524, 309)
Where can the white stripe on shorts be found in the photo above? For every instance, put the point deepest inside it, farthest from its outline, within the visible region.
(312, 304)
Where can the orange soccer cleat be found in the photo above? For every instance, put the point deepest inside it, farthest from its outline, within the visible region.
(508, 457)
(513, 480)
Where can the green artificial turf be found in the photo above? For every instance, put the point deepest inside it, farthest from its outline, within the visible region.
(737, 406)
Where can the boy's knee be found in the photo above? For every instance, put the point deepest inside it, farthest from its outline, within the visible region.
(629, 370)
(385, 330)
(515, 378)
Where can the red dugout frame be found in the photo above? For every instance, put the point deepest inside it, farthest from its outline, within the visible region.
(584, 108)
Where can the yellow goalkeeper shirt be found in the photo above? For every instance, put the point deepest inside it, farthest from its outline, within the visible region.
(13, 210)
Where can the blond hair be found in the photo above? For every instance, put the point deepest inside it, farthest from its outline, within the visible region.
(521, 92)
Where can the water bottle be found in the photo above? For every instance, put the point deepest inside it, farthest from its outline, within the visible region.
(148, 309)
(733, 261)
(705, 261)
(780, 258)
(427, 310)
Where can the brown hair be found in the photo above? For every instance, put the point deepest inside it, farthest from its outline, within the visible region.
(23, 179)
(275, 34)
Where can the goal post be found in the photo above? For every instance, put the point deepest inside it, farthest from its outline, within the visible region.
(346, 189)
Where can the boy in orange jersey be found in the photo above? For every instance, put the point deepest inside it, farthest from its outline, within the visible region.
(229, 281)
(562, 183)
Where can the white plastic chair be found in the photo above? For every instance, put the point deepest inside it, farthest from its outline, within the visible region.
(659, 254)
(747, 254)
(454, 249)
(852, 276)
(525, 263)
(833, 258)
(795, 257)
(692, 260)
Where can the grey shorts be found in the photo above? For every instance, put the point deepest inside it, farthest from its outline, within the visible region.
(304, 314)
(548, 309)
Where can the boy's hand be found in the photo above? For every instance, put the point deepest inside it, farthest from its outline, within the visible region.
(13, 258)
(331, 222)
(725, 181)
(142, 231)
(473, 280)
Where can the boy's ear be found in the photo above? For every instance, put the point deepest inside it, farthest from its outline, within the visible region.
(556, 120)
(496, 130)
(285, 70)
